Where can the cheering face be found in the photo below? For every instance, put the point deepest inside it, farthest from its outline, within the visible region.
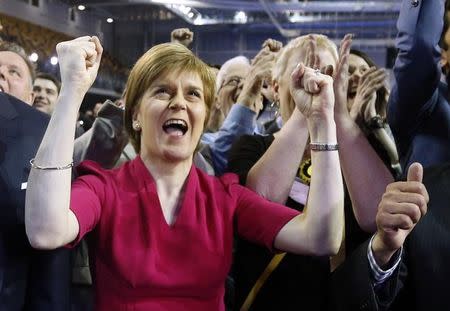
(231, 87)
(171, 115)
(287, 104)
(45, 95)
(15, 77)
(356, 68)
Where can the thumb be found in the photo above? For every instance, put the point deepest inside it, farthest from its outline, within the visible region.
(296, 76)
(415, 172)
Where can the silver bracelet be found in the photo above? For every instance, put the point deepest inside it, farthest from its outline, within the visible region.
(33, 165)
(323, 147)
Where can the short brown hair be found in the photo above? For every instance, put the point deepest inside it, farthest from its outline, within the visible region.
(6, 46)
(154, 63)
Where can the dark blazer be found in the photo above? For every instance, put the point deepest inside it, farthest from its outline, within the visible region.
(422, 281)
(29, 279)
(418, 108)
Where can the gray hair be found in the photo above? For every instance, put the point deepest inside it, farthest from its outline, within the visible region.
(224, 69)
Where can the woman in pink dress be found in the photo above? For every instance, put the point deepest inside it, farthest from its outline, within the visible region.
(160, 230)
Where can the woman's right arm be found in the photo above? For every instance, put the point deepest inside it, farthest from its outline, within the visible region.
(49, 222)
(272, 176)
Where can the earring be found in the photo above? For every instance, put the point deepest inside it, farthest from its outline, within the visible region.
(136, 126)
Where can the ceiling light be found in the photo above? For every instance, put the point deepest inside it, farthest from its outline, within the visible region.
(240, 17)
(109, 20)
(34, 57)
(54, 60)
(81, 7)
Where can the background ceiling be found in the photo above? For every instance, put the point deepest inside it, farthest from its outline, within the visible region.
(372, 22)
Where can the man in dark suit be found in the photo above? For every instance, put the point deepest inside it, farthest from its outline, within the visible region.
(421, 282)
(29, 279)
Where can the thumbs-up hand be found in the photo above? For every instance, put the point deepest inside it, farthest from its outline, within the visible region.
(400, 209)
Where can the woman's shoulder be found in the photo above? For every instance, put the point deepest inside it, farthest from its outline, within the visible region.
(93, 170)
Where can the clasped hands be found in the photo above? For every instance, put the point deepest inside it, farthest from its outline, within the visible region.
(312, 92)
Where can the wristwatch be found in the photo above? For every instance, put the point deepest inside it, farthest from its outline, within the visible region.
(376, 122)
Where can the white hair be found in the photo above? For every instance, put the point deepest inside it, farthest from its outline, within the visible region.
(301, 42)
(224, 69)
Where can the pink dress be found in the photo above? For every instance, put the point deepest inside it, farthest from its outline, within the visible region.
(142, 263)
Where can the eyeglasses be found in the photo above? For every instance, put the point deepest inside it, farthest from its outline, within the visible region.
(233, 81)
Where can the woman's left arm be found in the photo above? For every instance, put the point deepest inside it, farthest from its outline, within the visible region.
(319, 230)
(366, 176)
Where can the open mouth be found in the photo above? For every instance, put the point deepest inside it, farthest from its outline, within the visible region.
(176, 127)
(1, 89)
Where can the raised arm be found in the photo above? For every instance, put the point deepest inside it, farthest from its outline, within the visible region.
(48, 220)
(241, 119)
(319, 229)
(417, 68)
(274, 173)
(358, 158)
(182, 36)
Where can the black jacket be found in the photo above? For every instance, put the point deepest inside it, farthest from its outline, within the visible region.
(29, 279)
(422, 281)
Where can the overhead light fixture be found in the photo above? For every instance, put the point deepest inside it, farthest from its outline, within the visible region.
(240, 17)
(301, 17)
(109, 20)
(54, 60)
(81, 7)
(33, 57)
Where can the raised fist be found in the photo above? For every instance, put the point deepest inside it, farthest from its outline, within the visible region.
(273, 45)
(183, 36)
(79, 60)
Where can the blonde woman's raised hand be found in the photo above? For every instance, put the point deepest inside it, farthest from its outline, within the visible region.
(79, 60)
(341, 76)
(312, 92)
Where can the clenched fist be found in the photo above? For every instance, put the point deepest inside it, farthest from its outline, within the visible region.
(79, 60)
(183, 36)
(312, 92)
(402, 206)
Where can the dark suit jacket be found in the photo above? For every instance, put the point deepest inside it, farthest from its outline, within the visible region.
(29, 279)
(422, 281)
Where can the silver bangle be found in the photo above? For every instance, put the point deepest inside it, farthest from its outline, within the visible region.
(33, 165)
(323, 147)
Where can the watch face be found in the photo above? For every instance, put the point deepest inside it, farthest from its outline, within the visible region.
(376, 122)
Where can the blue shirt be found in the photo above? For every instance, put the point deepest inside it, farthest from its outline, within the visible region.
(241, 120)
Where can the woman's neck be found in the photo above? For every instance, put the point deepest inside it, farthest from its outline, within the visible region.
(170, 179)
(169, 176)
